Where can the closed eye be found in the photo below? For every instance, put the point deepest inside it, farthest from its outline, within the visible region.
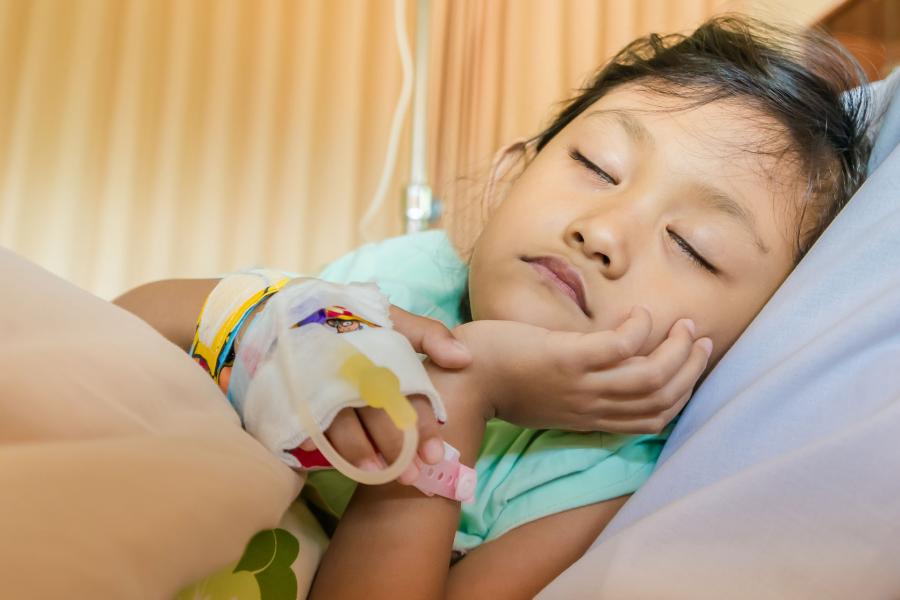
(581, 158)
(692, 254)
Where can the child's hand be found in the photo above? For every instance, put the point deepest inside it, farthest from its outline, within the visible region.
(360, 435)
(431, 337)
(586, 381)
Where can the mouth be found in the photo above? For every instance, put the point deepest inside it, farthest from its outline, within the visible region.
(562, 275)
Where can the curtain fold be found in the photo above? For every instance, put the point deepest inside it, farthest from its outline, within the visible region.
(144, 139)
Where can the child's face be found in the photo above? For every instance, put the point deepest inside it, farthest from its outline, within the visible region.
(682, 177)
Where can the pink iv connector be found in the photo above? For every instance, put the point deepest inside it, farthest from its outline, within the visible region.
(449, 478)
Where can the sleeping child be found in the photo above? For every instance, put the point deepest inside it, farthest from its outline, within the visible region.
(628, 246)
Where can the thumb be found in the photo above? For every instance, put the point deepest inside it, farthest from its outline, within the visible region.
(431, 337)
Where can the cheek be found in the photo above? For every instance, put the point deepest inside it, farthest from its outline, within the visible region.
(708, 321)
(722, 322)
(497, 297)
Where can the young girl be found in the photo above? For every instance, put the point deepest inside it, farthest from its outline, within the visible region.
(649, 224)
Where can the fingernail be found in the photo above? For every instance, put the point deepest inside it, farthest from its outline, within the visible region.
(433, 451)
(369, 465)
(706, 344)
(689, 323)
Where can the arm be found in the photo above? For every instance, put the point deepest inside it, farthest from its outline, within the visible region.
(514, 565)
(171, 306)
(392, 538)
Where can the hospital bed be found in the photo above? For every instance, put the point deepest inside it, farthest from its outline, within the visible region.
(123, 474)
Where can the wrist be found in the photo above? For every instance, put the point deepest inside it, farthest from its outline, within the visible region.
(467, 413)
(461, 392)
(486, 376)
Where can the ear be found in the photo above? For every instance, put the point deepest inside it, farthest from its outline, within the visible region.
(464, 231)
(504, 160)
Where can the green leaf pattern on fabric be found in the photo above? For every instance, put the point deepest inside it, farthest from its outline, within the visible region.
(263, 572)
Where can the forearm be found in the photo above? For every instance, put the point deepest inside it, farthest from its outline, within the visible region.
(392, 540)
(170, 306)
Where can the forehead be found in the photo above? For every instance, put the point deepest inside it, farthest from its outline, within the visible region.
(728, 129)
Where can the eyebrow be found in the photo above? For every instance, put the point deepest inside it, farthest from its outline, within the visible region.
(710, 195)
(636, 130)
(719, 201)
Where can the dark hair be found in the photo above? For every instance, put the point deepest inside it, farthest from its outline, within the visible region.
(795, 79)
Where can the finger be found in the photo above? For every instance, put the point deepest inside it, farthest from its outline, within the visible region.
(651, 426)
(657, 423)
(431, 337)
(387, 439)
(642, 375)
(643, 425)
(677, 408)
(671, 398)
(348, 437)
(600, 349)
(308, 445)
(431, 447)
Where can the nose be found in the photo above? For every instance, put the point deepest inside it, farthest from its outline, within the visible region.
(601, 236)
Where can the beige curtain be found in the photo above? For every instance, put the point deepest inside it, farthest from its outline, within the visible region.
(144, 139)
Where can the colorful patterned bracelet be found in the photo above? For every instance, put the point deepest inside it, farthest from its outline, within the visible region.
(227, 308)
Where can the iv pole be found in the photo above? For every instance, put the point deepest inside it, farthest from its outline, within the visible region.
(420, 209)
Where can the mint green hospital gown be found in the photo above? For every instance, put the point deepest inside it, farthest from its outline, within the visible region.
(523, 474)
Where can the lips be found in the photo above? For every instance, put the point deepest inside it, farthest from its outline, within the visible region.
(563, 275)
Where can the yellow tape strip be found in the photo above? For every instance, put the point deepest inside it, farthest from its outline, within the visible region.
(209, 353)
